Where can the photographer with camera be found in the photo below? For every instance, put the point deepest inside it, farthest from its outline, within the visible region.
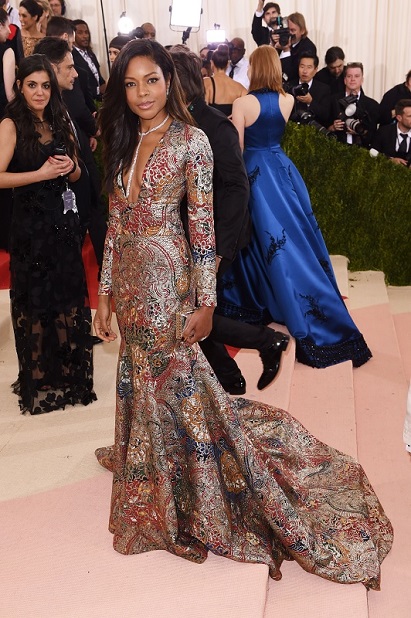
(355, 115)
(269, 13)
(311, 96)
(394, 140)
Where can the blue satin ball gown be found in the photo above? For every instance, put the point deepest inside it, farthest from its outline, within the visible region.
(285, 274)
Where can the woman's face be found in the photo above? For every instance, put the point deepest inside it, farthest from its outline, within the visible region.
(146, 88)
(56, 7)
(4, 31)
(27, 21)
(36, 90)
(113, 52)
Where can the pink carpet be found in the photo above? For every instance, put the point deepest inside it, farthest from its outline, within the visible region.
(57, 559)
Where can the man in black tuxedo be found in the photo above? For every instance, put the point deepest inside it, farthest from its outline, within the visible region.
(61, 28)
(391, 97)
(269, 13)
(84, 58)
(317, 100)
(232, 230)
(332, 75)
(367, 110)
(394, 140)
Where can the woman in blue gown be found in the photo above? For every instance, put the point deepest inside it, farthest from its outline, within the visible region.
(285, 274)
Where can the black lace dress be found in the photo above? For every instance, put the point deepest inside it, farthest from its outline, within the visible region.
(49, 300)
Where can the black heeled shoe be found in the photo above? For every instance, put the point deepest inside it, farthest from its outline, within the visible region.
(271, 359)
(235, 387)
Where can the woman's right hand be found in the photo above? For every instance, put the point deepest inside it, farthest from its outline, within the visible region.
(60, 165)
(102, 319)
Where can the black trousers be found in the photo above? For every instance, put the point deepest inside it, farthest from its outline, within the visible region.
(236, 334)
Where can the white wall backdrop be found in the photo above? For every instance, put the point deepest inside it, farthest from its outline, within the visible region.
(375, 32)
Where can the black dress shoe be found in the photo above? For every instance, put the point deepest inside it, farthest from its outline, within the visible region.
(234, 387)
(95, 340)
(271, 359)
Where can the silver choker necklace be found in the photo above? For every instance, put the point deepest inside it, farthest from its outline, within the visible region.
(133, 165)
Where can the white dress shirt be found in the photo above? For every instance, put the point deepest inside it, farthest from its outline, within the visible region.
(240, 72)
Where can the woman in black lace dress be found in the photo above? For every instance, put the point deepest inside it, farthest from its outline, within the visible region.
(49, 301)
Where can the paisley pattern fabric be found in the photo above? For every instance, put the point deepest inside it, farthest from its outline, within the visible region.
(49, 300)
(285, 274)
(193, 470)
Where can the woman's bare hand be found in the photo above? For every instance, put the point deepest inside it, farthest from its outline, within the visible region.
(199, 325)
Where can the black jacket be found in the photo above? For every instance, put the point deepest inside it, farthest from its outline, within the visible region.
(230, 183)
(335, 84)
(371, 111)
(320, 106)
(261, 34)
(389, 100)
(79, 112)
(80, 63)
(385, 141)
(290, 63)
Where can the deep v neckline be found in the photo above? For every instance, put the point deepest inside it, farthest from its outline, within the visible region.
(121, 177)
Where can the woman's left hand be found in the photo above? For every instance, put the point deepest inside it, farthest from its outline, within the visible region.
(199, 325)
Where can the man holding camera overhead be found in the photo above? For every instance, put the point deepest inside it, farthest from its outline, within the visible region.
(269, 13)
(355, 115)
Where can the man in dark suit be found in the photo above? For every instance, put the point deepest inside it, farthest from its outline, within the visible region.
(61, 27)
(367, 110)
(391, 97)
(298, 44)
(394, 140)
(332, 75)
(317, 100)
(269, 13)
(232, 230)
(84, 58)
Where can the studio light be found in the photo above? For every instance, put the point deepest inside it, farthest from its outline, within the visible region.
(215, 35)
(185, 14)
(125, 24)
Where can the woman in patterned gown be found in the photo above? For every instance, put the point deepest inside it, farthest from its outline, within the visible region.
(193, 470)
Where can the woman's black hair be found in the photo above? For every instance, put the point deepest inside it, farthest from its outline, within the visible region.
(118, 124)
(31, 6)
(221, 56)
(24, 119)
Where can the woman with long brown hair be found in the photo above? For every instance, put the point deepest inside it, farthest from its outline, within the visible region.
(193, 470)
(49, 302)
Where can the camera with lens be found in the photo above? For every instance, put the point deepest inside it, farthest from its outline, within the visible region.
(300, 90)
(280, 27)
(352, 116)
(306, 117)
